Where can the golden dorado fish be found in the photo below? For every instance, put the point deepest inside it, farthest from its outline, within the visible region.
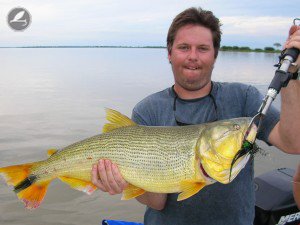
(156, 159)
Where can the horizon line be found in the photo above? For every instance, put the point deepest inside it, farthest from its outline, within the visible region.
(83, 46)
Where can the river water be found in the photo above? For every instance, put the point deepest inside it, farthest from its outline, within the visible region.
(50, 98)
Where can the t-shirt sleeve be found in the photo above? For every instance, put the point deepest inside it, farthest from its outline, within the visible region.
(136, 117)
(140, 113)
(253, 101)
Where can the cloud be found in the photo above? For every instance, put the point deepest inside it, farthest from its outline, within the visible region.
(90, 22)
(267, 26)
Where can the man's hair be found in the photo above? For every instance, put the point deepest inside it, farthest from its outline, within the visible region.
(196, 16)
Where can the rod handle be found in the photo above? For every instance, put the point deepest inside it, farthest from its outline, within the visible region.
(293, 52)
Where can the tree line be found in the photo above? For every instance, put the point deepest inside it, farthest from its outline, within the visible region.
(248, 49)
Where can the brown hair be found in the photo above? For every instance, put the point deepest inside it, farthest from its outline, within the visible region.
(196, 16)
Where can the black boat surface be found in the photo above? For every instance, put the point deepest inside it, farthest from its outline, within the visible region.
(275, 202)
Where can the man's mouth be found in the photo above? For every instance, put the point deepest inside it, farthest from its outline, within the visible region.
(192, 67)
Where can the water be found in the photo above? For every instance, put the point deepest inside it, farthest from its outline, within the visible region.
(53, 97)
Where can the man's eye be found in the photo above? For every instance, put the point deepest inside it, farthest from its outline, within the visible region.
(203, 49)
(183, 47)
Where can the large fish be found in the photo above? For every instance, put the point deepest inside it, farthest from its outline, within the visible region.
(155, 159)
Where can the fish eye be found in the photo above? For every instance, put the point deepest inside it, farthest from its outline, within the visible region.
(236, 127)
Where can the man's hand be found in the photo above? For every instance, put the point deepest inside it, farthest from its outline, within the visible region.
(293, 41)
(283, 134)
(107, 177)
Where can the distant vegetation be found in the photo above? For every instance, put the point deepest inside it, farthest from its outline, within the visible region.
(85, 46)
(223, 48)
(247, 49)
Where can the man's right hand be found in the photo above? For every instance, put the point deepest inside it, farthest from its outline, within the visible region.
(107, 177)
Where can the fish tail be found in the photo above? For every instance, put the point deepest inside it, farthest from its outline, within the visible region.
(27, 182)
(14, 175)
(27, 186)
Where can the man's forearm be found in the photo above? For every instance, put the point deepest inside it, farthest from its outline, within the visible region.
(284, 134)
(290, 117)
(153, 200)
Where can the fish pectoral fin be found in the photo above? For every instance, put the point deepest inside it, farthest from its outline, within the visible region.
(51, 152)
(80, 185)
(131, 192)
(116, 120)
(189, 188)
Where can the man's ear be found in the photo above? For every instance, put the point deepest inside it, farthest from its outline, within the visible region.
(169, 58)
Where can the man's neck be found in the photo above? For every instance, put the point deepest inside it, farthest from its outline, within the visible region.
(187, 94)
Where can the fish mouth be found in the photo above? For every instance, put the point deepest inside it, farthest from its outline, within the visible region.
(251, 135)
(226, 175)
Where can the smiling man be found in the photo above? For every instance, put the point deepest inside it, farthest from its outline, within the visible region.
(193, 43)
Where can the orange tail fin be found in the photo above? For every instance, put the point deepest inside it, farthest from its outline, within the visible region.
(28, 188)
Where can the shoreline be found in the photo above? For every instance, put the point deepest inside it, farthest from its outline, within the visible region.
(223, 48)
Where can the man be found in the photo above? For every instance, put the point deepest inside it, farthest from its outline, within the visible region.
(193, 42)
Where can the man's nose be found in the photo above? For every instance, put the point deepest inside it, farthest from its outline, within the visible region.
(193, 54)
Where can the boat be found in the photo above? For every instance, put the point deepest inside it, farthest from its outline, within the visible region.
(275, 204)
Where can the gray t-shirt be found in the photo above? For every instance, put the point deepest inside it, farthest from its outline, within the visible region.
(216, 204)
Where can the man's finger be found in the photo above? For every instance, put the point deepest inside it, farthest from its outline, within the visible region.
(103, 175)
(293, 29)
(96, 180)
(294, 43)
(115, 189)
(119, 179)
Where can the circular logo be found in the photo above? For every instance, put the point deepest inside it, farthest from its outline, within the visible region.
(19, 19)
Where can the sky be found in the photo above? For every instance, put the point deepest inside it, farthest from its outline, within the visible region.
(252, 23)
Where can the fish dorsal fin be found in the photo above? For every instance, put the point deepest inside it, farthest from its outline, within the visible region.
(51, 152)
(116, 120)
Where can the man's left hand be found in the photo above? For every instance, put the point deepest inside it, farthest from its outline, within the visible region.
(293, 41)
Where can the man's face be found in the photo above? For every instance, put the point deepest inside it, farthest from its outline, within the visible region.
(192, 57)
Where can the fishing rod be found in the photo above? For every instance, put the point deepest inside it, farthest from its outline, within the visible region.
(280, 79)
